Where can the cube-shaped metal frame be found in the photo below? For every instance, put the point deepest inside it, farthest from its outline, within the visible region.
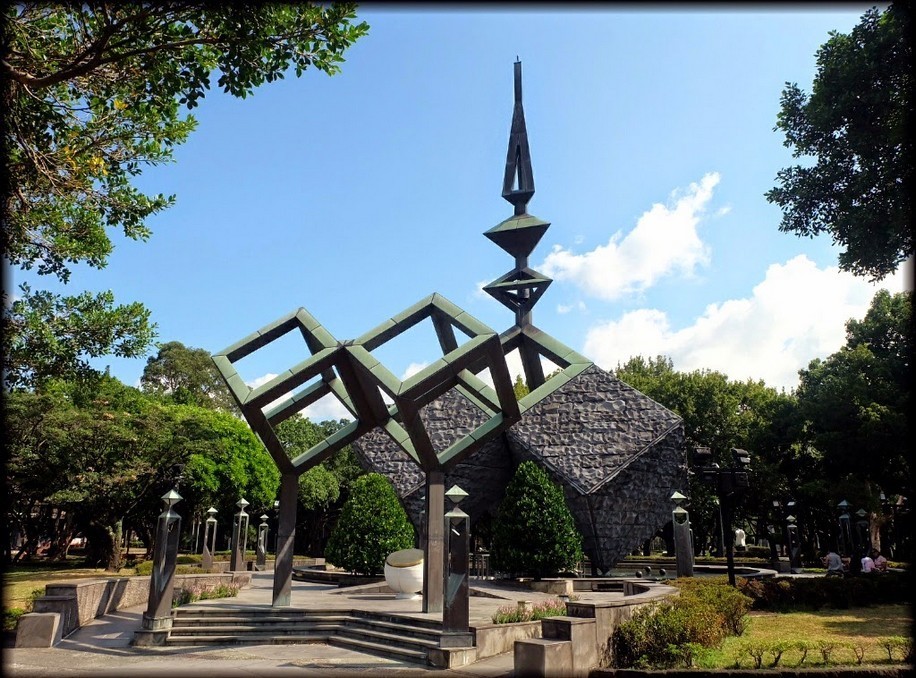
(404, 424)
(350, 372)
(326, 355)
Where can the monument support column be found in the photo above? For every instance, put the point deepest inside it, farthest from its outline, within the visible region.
(286, 536)
(434, 558)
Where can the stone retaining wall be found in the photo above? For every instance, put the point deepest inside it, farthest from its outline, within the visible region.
(573, 645)
(78, 603)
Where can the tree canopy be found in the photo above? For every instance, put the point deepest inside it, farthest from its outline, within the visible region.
(105, 453)
(373, 525)
(324, 488)
(858, 401)
(855, 125)
(186, 375)
(534, 532)
(95, 94)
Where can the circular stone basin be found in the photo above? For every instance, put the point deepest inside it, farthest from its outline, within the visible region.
(404, 573)
(701, 570)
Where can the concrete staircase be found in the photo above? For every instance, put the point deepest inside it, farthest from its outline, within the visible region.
(388, 635)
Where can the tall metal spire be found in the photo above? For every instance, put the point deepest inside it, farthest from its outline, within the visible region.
(518, 181)
(520, 288)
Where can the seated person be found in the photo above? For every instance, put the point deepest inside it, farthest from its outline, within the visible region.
(868, 565)
(834, 564)
(880, 561)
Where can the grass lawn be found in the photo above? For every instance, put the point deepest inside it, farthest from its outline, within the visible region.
(19, 581)
(846, 630)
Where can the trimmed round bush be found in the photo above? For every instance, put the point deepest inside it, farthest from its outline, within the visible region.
(534, 533)
(372, 525)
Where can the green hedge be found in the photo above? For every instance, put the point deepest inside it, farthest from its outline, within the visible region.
(785, 594)
(676, 632)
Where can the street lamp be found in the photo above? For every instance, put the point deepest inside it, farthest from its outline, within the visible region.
(862, 531)
(727, 482)
(846, 546)
(794, 544)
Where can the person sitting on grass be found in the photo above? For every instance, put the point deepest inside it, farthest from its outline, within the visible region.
(834, 564)
(880, 561)
(868, 565)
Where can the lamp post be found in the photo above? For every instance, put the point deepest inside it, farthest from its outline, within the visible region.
(863, 532)
(260, 557)
(727, 482)
(683, 548)
(794, 545)
(277, 533)
(846, 545)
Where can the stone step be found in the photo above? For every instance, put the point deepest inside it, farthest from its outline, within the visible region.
(189, 621)
(432, 635)
(389, 635)
(252, 629)
(250, 611)
(382, 650)
(386, 638)
(403, 620)
(248, 639)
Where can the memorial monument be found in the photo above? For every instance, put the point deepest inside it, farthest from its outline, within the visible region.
(617, 453)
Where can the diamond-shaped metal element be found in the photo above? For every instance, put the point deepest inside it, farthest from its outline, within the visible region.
(350, 372)
(678, 498)
(241, 503)
(519, 234)
(171, 498)
(510, 289)
(455, 494)
(533, 343)
(212, 511)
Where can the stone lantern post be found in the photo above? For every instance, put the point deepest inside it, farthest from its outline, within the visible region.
(239, 537)
(455, 610)
(683, 548)
(260, 562)
(157, 619)
(209, 533)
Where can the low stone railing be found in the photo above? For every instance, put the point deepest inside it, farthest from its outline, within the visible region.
(575, 644)
(77, 603)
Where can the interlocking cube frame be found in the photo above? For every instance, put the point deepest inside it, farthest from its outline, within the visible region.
(326, 355)
(403, 422)
(350, 372)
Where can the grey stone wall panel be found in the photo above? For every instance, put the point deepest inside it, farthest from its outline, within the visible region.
(617, 454)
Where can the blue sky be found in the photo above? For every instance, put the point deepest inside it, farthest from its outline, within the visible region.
(356, 195)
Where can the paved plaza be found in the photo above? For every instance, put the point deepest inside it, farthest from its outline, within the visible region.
(102, 647)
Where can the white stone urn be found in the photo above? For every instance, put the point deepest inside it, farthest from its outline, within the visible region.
(404, 573)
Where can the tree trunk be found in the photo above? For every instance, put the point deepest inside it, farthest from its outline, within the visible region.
(104, 546)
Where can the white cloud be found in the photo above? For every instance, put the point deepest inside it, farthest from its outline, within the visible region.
(566, 308)
(412, 369)
(797, 313)
(664, 241)
(480, 293)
